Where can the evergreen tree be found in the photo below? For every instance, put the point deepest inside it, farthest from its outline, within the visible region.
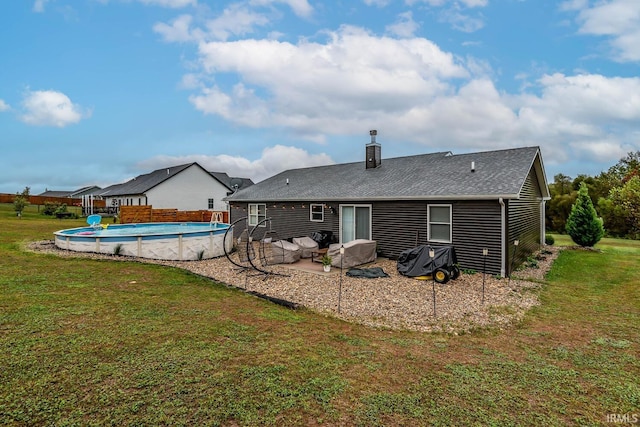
(583, 224)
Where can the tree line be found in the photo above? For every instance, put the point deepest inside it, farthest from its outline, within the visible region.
(615, 195)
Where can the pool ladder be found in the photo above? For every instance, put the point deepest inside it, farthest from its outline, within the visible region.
(216, 217)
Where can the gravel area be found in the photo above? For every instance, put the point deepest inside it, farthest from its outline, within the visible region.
(396, 302)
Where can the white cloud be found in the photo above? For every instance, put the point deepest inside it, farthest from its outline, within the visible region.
(405, 26)
(174, 4)
(235, 20)
(190, 81)
(461, 21)
(455, 3)
(38, 5)
(597, 150)
(411, 89)
(379, 3)
(592, 116)
(454, 12)
(351, 77)
(592, 98)
(178, 31)
(273, 160)
(475, 3)
(619, 20)
(51, 108)
(4, 106)
(570, 5)
(300, 7)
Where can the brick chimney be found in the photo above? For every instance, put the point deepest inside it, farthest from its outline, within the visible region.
(372, 152)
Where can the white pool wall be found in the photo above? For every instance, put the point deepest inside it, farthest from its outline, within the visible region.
(172, 247)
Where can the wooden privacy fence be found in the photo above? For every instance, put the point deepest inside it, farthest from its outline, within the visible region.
(42, 200)
(146, 213)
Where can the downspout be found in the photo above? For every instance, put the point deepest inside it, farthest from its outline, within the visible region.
(543, 226)
(503, 240)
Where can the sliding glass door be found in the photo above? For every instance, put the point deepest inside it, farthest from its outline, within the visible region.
(355, 222)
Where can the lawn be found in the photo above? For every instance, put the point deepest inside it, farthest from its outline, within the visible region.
(89, 342)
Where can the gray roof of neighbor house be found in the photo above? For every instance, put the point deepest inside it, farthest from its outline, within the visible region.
(143, 183)
(499, 173)
(90, 189)
(231, 182)
(56, 193)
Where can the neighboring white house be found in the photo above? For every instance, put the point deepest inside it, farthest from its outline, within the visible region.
(185, 187)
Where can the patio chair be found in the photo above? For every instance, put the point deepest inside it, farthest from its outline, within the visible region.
(283, 252)
(307, 244)
(94, 220)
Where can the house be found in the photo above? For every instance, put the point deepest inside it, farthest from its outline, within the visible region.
(183, 187)
(84, 191)
(476, 201)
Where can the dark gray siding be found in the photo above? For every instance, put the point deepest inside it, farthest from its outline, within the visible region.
(289, 220)
(476, 225)
(397, 226)
(524, 222)
(401, 225)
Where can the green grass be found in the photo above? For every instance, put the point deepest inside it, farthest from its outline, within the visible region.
(88, 342)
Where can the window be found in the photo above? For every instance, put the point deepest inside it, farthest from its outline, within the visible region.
(257, 213)
(316, 213)
(210, 204)
(439, 223)
(355, 222)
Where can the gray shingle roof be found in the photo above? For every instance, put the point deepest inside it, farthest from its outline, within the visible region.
(55, 193)
(90, 189)
(498, 173)
(143, 183)
(229, 181)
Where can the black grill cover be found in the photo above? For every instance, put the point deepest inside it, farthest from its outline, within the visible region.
(417, 262)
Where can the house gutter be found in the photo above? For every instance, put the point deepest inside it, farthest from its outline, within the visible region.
(503, 239)
(372, 199)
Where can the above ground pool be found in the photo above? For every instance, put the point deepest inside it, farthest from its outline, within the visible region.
(159, 240)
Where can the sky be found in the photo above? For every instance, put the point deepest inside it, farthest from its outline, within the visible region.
(95, 92)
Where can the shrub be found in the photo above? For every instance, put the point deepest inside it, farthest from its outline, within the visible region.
(549, 240)
(50, 208)
(19, 203)
(61, 208)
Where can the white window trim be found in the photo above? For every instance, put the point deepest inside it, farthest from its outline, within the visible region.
(450, 223)
(311, 206)
(257, 215)
(357, 206)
